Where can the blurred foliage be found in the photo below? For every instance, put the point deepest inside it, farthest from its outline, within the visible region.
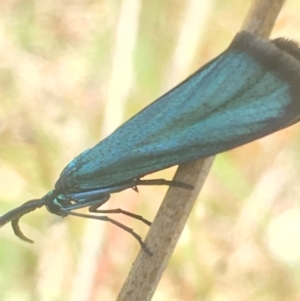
(55, 62)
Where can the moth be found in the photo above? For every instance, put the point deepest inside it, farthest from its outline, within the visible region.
(250, 90)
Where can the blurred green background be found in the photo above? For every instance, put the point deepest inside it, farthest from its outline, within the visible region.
(70, 73)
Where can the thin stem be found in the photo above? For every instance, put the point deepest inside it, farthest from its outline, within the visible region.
(165, 231)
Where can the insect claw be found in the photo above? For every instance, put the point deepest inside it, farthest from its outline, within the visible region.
(135, 188)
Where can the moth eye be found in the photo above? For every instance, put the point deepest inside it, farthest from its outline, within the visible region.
(53, 208)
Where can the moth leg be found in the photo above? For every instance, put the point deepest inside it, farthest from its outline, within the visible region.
(94, 209)
(125, 228)
(163, 182)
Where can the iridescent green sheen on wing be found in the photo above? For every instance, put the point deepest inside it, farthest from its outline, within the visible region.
(249, 91)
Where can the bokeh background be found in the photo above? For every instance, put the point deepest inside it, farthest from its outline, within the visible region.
(70, 73)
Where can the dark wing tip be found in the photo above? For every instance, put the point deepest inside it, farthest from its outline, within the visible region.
(289, 46)
(280, 57)
(267, 52)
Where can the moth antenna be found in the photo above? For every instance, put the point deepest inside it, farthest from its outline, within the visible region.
(14, 216)
(18, 232)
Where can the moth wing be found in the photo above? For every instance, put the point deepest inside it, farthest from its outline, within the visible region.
(247, 92)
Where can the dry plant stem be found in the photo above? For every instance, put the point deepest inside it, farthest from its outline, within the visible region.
(165, 231)
(262, 16)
